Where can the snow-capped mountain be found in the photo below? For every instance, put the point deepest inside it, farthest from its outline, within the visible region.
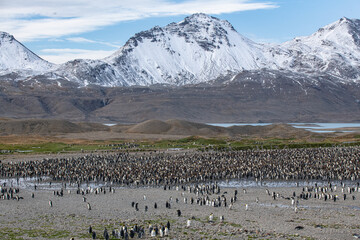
(202, 48)
(333, 49)
(195, 50)
(199, 49)
(15, 57)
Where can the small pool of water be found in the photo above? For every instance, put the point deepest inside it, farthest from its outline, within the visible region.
(314, 127)
(279, 184)
(47, 184)
(109, 124)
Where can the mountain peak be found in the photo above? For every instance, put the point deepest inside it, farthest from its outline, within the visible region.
(344, 19)
(348, 21)
(343, 23)
(207, 31)
(202, 19)
(5, 35)
(344, 31)
(353, 25)
(15, 56)
(186, 52)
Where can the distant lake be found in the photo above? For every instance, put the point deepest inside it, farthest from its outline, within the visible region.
(29, 183)
(109, 124)
(314, 127)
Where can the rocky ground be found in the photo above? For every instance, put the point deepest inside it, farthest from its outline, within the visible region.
(34, 218)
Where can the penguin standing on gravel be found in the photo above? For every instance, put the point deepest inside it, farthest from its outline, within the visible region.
(137, 206)
(105, 233)
(153, 233)
(161, 232)
(50, 203)
(211, 217)
(188, 223)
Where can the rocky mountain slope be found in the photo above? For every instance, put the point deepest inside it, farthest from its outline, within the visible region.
(250, 96)
(45, 127)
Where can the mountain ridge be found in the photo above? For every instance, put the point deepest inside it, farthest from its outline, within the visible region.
(197, 50)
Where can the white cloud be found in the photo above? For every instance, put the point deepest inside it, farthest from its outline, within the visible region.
(85, 40)
(80, 40)
(36, 19)
(58, 56)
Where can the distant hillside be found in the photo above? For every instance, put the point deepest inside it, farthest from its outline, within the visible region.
(176, 127)
(173, 127)
(46, 127)
(274, 130)
(180, 127)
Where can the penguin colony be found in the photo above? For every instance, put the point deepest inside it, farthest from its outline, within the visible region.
(9, 193)
(172, 169)
(188, 172)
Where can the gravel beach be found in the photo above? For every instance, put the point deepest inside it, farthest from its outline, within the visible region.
(69, 216)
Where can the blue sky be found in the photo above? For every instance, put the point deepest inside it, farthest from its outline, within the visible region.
(63, 30)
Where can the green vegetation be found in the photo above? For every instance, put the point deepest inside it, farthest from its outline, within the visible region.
(235, 225)
(51, 147)
(205, 144)
(201, 144)
(18, 233)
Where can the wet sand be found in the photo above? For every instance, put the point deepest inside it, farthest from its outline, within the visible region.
(33, 218)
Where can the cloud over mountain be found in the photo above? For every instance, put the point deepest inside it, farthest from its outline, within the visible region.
(35, 19)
